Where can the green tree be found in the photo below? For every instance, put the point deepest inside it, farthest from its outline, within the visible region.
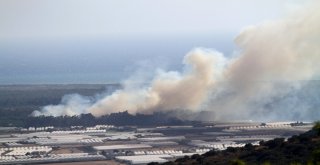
(237, 162)
(316, 127)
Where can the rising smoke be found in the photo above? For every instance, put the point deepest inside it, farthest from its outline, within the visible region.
(167, 91)
(274, 62)
(268, 78)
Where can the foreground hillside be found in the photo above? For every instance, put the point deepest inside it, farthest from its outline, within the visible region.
(299, 149)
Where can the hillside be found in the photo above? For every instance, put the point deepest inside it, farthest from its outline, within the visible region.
(299, 149)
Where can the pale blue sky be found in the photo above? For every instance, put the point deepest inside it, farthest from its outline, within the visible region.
(102, 41)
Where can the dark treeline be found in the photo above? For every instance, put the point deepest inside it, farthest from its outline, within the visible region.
(118, 119)
(17, 102)
(297, 150)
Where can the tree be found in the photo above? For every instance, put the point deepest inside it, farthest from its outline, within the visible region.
(316, 127)
(237, 162)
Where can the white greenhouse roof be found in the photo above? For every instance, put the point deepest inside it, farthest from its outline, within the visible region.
(124, 146)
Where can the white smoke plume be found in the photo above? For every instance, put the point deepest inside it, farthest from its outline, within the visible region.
(70, 105)
(263, 79)
(271, 54)
(167, 91)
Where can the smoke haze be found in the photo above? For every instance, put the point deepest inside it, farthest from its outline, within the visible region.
(273, 60)
(266, 78)
(167, 91)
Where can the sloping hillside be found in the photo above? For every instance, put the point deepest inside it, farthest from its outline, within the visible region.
(300, 149)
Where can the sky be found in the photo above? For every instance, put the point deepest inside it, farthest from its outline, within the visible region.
(106, 41)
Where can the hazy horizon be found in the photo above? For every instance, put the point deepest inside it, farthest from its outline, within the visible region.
(63, 42)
